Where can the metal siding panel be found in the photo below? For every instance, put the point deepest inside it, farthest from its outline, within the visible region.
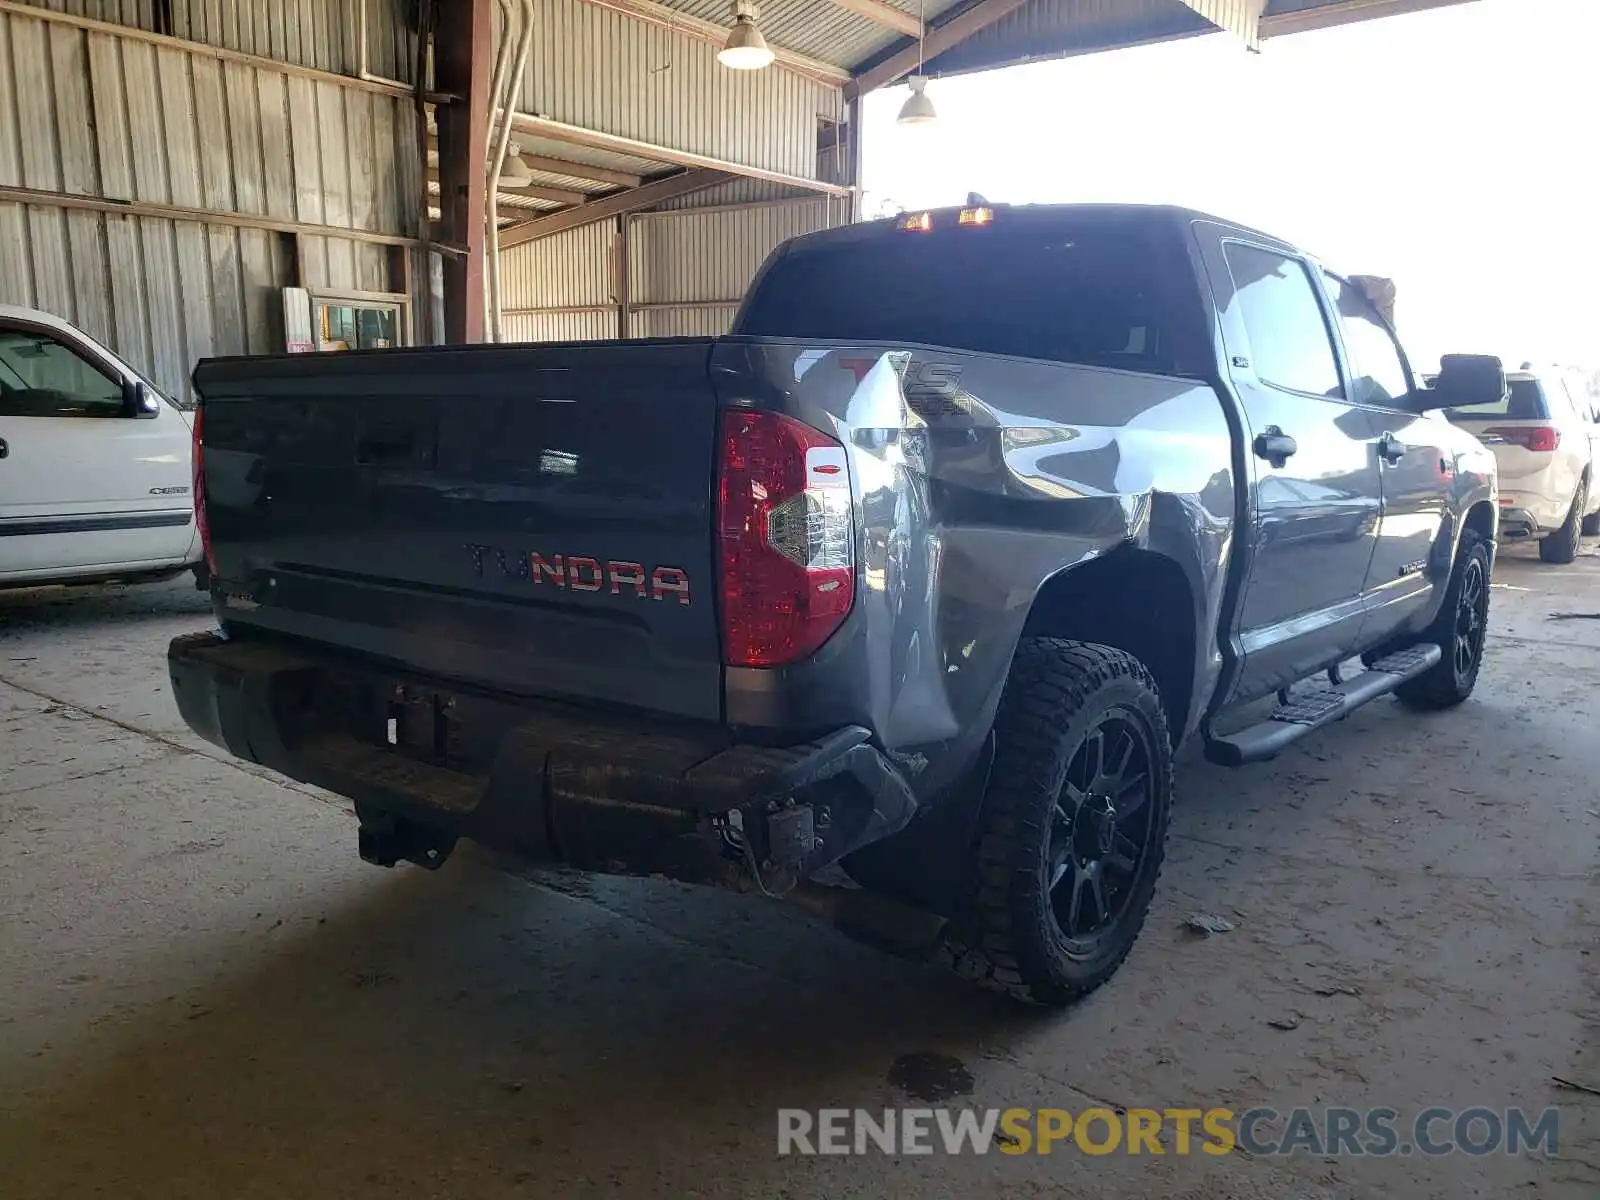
(16, 257)
(569, 269)
(333, 137)
(699, 321)
(712, 256)
(601, 70)
(277, 149)
(561, 327)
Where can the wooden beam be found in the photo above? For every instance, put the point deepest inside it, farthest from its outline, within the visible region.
(940, 38)
(463, 46)
(714, 34)
(883, 14)
(532, 190)
(613, 205)
(559, 131)
(175, 212)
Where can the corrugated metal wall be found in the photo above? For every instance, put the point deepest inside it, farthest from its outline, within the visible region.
(688, 269)
(307, 33)
(693, 257)
(596, 68)
(101, 115)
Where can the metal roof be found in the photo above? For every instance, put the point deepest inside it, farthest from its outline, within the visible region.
(829, 32)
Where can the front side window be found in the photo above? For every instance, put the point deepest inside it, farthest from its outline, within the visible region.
(1289, 342)
(1377, 372)
(43, 377)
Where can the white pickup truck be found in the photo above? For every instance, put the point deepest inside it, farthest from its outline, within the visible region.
(96, 465)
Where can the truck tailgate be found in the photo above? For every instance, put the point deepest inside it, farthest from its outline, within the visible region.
(532, 519)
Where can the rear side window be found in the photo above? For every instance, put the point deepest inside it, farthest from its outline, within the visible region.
(1100, 294)
(1289, 341)
(1525, 402)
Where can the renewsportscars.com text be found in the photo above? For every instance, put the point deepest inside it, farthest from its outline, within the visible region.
(1264, 1132)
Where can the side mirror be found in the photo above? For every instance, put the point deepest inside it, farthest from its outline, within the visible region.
(1466, 380)
(138, 400)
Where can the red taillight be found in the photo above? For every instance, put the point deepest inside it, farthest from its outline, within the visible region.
(200, 522)
(1529, 437)
(787, 556)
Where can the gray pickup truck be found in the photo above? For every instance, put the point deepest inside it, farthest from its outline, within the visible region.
(922, 572)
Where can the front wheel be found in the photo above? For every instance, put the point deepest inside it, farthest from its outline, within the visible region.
(1073, 824)
(1460, 630)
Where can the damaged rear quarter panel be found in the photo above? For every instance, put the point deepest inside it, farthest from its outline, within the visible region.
(977, 478)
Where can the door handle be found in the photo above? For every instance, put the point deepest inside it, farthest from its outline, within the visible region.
(1391, 449)
(1274, 445)
(4, 449)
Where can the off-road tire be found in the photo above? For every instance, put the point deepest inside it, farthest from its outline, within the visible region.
(1446, 684)
(1591, 525)
(1059, 693)
(1562, 546)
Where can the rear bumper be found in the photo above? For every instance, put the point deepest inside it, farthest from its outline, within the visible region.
(1518, 524)
(600, 792)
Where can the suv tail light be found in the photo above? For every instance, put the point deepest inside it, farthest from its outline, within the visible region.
(1530, 437)
(200, 522)
(786, 551)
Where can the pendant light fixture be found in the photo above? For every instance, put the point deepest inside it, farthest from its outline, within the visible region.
(918, 109)
(745, 49)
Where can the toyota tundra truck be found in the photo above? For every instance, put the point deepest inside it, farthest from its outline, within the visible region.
(918, 576)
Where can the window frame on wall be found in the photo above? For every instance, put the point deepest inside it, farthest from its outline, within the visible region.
(397, 303)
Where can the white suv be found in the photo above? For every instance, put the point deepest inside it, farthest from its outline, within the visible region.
(1546, 440)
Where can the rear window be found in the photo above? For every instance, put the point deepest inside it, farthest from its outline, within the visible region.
(1525, 402)
(1104, 297)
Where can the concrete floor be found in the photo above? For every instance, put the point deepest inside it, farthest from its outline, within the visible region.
(203, 992)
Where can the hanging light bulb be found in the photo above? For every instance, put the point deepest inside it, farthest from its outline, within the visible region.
(745, 49)
(918, 109)
(514, 172)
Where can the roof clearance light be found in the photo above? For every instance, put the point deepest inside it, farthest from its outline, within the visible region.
(975, 216)
(917, 222)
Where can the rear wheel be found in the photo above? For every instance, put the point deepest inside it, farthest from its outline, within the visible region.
(1459, 630)
(1562, 545)
(1073, 824)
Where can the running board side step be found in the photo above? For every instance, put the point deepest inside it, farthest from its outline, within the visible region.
(1314, 709)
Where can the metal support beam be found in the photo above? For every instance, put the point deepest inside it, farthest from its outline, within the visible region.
(624, 269)
(613, 205)
(578, 170)
(559, 131)
(853, 131)
(533, 191)
(1239, 17)
(940, 38)
(463, 46)
(883, 14)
